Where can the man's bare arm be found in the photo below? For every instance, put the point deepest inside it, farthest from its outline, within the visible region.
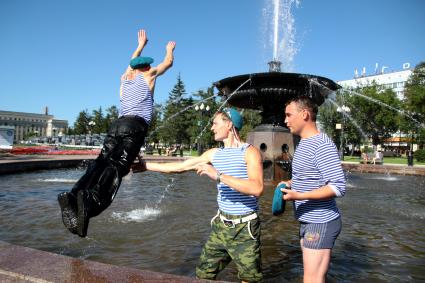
(176, 167)
(142, 40)
(324, 192)
(168, 60)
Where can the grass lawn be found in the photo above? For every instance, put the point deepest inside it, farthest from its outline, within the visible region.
(387, 160)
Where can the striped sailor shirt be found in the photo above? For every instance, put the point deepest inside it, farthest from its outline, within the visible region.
(231, 161)
(136, 98)
(316, 164)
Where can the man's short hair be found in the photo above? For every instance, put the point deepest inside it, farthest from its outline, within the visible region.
(305, 103)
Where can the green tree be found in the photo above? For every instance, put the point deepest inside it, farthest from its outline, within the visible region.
(156, 123)
(375, 112)
(81, 125)
(175, 126)
(99, 122)
(328, 117)
(111, 115)
(202, 121)
(330, 114)
(251, 119)
(415, 103)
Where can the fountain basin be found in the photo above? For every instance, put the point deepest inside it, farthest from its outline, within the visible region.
(159, 222)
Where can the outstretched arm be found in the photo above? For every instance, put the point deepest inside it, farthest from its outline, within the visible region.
(168, 60)
(175, 167)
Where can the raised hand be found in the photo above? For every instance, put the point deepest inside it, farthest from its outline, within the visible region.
(170, 46)
(142, 38)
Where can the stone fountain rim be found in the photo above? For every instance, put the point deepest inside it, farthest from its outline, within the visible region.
(333, 86)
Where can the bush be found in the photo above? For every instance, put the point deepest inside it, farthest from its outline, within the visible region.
(419, 155)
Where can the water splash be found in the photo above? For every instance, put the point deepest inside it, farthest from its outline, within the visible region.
(149, 212)
(136, 215)
(169, 187)
(280, 21)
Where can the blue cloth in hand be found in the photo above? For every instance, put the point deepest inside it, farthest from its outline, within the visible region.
(278, 204)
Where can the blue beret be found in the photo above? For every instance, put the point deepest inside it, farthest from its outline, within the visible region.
(235, 117)
(140, 62)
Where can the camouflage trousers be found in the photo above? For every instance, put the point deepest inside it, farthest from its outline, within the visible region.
(240, 243)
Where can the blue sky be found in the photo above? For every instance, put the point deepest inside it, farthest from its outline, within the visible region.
(69, 55)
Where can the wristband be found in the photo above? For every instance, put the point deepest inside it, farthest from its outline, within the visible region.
(218, 177)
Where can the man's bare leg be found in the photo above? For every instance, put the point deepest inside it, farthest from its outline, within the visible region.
(316, 264)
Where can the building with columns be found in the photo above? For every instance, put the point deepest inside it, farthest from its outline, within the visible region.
(41, 125)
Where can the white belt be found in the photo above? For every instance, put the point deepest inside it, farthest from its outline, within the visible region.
(233, 222)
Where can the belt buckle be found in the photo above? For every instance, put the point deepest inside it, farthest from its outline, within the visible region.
(228, 223)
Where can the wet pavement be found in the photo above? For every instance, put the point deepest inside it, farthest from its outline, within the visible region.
(21, 264)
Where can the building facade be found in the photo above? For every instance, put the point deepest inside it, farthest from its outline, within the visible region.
(395, 80)
(40, 125)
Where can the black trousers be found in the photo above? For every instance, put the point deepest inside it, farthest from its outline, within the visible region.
(103, 176)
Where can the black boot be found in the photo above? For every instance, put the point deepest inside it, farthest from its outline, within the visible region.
(67, 203)
(83, 211)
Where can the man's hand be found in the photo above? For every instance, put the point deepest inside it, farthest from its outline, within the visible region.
(207, 169)
(289, 194)
(170, 46)
(142, 38)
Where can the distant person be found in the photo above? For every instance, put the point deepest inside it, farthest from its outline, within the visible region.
(365, 157)
(317, 179)
(238, 170)
(377, 157)
(96, 189)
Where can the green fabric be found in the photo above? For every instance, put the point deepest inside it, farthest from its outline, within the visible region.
(278, 203)
(226, 244)
(140, 62)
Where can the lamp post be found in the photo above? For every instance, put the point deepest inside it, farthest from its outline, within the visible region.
(202, 109)
(343, 110)
(91, 125)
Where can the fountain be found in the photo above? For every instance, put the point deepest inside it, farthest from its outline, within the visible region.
(269, 92)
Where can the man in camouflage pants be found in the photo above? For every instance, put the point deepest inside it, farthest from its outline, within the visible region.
(238, 169)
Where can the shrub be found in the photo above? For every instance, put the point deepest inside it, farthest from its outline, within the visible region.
(419, 155)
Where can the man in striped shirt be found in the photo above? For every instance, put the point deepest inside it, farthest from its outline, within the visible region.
(97, 188)
(317, 179)
(238, 169)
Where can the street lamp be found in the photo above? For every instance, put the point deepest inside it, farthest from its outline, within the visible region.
(202, 109)
(91, 125)
(343, 110)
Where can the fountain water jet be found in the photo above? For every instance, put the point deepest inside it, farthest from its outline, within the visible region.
(269, 92)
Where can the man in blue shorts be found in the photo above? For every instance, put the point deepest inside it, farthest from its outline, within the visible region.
(317, 179)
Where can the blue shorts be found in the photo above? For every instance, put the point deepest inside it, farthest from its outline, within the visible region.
(320, 235)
